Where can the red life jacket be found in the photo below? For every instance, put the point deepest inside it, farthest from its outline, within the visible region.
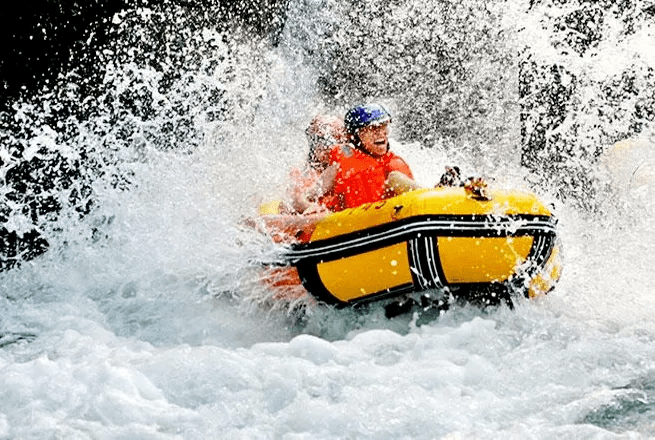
(361, 177)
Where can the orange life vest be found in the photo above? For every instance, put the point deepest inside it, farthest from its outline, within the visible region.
(361, 177)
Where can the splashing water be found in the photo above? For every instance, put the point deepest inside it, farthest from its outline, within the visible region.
(144, 318)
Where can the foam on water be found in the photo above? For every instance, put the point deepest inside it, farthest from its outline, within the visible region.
(144, 318)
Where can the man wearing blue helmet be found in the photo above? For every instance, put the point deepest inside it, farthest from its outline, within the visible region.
(368, 128)
(364, 170)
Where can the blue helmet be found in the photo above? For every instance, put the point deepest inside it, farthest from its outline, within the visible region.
(364, 115)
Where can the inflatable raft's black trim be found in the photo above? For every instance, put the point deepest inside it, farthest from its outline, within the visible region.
(424, 263)
(414, 227)
(311, 281)
(540, 252)
(420, 233)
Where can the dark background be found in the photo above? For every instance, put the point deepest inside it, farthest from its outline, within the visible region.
(44, 38)
(41, 38)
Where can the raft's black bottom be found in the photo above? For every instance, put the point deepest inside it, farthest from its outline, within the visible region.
(431, 304)
(428, 306)
(485, 295)
(426, 309)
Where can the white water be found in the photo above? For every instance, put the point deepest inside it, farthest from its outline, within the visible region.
(149, 333)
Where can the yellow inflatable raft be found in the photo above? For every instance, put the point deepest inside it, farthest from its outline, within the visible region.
(443, 239)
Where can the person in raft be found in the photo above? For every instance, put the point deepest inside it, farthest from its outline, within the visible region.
(323, 134)
(363, 170)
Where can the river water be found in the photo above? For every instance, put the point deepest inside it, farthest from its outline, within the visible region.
(145, 319)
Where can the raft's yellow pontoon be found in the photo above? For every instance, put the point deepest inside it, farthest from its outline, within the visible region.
(430, 239)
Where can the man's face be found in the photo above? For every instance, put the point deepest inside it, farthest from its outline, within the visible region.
(375, 139)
